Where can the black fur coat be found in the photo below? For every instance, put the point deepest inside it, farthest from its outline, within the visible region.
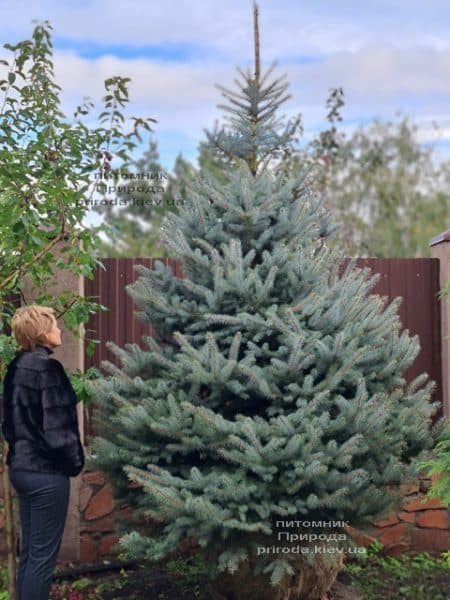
(40, 421)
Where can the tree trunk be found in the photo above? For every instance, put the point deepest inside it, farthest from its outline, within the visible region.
(310, 582)
(9, 522)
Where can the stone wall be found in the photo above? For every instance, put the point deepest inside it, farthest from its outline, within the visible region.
(423, 525)
(416, 528)
(98, 517)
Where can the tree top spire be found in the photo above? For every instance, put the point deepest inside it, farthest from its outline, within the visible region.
(256, 39)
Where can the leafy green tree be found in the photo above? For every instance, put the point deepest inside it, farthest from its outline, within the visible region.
(140, 198)
(440, 465)
(136, 204)
(387, 193)
(273, 387)
(47, 169)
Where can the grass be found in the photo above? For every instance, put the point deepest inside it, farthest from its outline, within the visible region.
(405, 578)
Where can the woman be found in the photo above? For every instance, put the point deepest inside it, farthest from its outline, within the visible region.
(40, 424)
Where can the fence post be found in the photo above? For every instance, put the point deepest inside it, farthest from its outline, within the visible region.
(440, 248)
(71, 355)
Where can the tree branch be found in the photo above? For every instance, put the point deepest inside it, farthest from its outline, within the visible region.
(25, 267)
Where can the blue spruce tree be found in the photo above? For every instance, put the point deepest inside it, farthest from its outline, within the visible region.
(273, 388)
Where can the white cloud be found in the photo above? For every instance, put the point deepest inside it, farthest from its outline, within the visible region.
(390, 56)
(185, 95)
(287, 27)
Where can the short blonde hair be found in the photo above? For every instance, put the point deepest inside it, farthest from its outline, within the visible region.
(30, 325)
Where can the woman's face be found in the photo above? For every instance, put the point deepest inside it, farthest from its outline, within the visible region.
(53, 338)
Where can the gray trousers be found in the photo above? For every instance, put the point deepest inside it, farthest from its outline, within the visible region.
(43, 503)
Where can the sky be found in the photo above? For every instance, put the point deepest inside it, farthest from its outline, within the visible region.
(392, 59)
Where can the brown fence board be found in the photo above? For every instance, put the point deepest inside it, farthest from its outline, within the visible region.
(416, 280)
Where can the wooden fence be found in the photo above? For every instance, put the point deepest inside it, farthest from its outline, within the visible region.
(415, 279)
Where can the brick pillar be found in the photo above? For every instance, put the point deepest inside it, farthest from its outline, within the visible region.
(440, 248)
(71, 355)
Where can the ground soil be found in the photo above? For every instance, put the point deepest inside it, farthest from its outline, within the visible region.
(142, 583)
